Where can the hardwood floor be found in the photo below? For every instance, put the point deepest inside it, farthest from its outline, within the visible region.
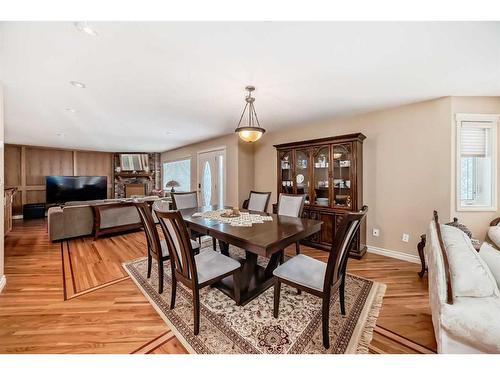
(74, 297)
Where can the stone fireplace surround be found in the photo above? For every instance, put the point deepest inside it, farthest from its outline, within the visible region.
(151, 180)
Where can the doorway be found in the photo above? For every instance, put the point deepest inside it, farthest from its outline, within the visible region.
(212, 177)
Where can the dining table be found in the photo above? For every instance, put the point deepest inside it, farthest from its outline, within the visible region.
(267, 239)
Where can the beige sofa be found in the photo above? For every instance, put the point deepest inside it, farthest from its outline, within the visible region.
(463, 291)
(76, 219)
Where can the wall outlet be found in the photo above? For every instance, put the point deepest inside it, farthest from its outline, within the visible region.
(376, 232)
(406, 237)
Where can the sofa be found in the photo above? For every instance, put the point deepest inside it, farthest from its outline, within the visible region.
(463, 291)
(75, 219)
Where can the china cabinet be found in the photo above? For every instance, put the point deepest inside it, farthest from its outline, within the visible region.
(329, 171)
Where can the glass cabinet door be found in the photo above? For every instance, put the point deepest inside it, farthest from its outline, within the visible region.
(286, 172)
(321, 183)
(302, 172)
(342, 181)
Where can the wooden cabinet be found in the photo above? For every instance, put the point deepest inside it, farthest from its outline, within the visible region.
(329, 171)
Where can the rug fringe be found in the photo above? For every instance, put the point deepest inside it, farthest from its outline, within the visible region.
(371, 321)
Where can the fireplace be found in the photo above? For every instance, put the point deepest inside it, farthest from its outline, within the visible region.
(137, 182)
(135, 189)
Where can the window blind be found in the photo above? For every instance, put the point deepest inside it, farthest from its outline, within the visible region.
(473, 140)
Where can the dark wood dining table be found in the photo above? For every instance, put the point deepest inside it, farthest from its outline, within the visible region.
(266, 239)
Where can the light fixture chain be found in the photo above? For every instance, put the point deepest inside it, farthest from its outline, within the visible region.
(242, 114)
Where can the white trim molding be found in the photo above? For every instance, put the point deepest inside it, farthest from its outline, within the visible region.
(394, 254)
(3, 282)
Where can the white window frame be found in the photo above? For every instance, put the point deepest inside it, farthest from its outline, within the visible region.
(491, 122)
(173, 161)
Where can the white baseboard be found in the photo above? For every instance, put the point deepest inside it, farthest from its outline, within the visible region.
(3, 282)
(393, 254)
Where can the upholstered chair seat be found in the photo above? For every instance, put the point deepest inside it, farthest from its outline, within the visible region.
(318, 278)
(303, 270)
(194, 271)
(211, 264)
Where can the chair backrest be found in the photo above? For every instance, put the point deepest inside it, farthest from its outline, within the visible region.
(258, 201)
(291, 204)
(179, 245)
(342, 242)
(152, 237)
(181, 201)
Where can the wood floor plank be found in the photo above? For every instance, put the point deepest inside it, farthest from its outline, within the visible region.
(117, 318)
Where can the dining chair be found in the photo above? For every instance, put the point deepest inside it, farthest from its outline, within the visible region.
(157, 248)
(291, 205)
(186, 200)
(257, 201)
(319, 278)
(194, 271)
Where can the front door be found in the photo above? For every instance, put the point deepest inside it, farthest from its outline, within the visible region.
(211, 177)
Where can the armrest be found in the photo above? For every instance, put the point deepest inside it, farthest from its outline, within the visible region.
(474, 321)
(55, 223)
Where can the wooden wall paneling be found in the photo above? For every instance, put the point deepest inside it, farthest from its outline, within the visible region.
(27, 166)
(35, 196)
(23, 175)
(17, 204)
(12, 172)
(90, 163)
(47, 162)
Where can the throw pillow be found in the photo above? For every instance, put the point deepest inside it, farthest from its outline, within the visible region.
(494, 236)
(492, 259)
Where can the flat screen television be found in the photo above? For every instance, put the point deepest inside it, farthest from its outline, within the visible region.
(62, 189)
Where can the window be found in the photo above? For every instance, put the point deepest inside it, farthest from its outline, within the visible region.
(180, 171)
(476, 162)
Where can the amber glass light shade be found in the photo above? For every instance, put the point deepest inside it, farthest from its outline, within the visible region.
(250, 135)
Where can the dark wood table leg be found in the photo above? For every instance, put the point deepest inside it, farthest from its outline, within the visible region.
(253, 278)
(224, 248)
(420, 248)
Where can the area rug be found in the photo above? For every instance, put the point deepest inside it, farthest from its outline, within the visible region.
(251, 329)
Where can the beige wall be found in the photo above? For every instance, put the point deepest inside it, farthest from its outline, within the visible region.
(476, 221)
(239, 164)
(406, 170)
(245, 170)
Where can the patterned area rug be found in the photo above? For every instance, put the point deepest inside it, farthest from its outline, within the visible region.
(251, 329)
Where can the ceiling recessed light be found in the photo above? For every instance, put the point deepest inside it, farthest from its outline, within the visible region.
(72, 110)
(80, 85)
(85, 28)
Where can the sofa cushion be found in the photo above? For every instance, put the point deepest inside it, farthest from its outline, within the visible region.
(491, 257)
(474, 322)
(470, 276)
(494, 235)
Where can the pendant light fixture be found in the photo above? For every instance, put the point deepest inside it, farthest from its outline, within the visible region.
(249, 131)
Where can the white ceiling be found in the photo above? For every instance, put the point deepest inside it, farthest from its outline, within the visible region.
(153, 86)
